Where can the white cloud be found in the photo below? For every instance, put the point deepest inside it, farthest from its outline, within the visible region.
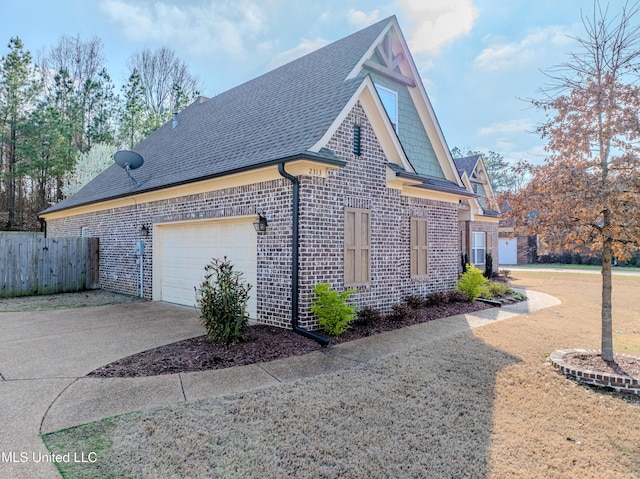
(505, 146)
(537, 44)
(438, 22)
(361, 19)
(208, 27)
(522, 125)
(304, 47)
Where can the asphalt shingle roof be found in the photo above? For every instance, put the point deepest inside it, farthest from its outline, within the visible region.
(431, 183)
(466, 164)
(276, 116)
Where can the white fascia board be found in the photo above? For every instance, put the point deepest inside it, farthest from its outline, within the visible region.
(487, 183)
(356, 70)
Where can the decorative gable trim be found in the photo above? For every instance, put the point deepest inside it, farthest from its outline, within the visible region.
(384, 71)
(390, 62)
(403, 61)
(368, 97)
(369, 53)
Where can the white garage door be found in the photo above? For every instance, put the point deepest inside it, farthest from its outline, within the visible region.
(508, 251)
(182, 250)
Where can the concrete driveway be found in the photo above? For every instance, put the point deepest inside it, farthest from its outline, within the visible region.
(43, 352)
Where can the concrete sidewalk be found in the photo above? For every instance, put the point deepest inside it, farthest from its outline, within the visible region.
(52, 393)
(616, 271)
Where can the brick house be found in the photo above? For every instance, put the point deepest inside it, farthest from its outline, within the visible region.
(338, 153)
(478, 216)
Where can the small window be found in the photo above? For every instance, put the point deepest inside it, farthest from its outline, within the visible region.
(479, 248)
(357, 247)
(84, 231)
(389, 100)
(419, 248)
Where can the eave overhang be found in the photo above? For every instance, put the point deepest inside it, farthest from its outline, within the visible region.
(306, 163)
(412, 184)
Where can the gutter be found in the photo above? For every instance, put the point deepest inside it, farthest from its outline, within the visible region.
(295, 260)
(303, 156)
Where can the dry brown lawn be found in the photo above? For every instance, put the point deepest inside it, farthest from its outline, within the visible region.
(481, 404)
(543, 424)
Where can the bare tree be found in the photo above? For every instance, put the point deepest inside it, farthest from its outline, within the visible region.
(83, 60)
(587, 193)
(167, 83)
(82, 63)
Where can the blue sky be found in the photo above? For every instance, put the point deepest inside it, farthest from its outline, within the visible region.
(479, 59)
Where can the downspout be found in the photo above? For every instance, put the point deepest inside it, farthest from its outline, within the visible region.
(295, 260)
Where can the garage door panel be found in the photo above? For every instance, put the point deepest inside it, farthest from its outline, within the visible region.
(508, 251)
(185, 249)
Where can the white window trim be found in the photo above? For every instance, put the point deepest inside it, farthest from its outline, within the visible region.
(380, 88)
(475, 249)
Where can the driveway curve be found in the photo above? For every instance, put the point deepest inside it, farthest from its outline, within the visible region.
(43, 352)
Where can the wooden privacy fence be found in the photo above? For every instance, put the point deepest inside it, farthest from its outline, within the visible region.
(31, 264)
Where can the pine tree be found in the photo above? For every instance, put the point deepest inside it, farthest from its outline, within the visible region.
(19, 87)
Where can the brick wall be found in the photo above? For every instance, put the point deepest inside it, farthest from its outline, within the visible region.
(119, 229)
(360, 184)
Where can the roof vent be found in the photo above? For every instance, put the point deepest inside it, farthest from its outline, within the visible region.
(175, 119)
(356, 140)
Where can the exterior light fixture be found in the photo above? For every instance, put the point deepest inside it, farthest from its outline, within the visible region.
(144, 230)
(260, 224)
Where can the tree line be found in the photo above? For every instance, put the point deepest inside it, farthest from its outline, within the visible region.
(62, 118)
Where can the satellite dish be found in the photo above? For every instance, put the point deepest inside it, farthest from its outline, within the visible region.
(129, 160)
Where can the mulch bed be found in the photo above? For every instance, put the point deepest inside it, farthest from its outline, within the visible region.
(621, 365)
(264, 343)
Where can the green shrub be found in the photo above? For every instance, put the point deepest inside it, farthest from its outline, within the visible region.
(499, 289)
(222, 298)
(471, 282)
(368, 316)
(494, 289)
(485, 292)
(332, 310)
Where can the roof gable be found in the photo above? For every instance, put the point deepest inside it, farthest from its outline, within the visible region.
(282, 115)
(389, 56)
(475, 178)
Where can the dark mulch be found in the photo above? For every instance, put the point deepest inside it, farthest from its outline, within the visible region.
(264, 343)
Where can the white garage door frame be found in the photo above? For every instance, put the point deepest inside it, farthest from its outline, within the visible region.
(188, 246)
